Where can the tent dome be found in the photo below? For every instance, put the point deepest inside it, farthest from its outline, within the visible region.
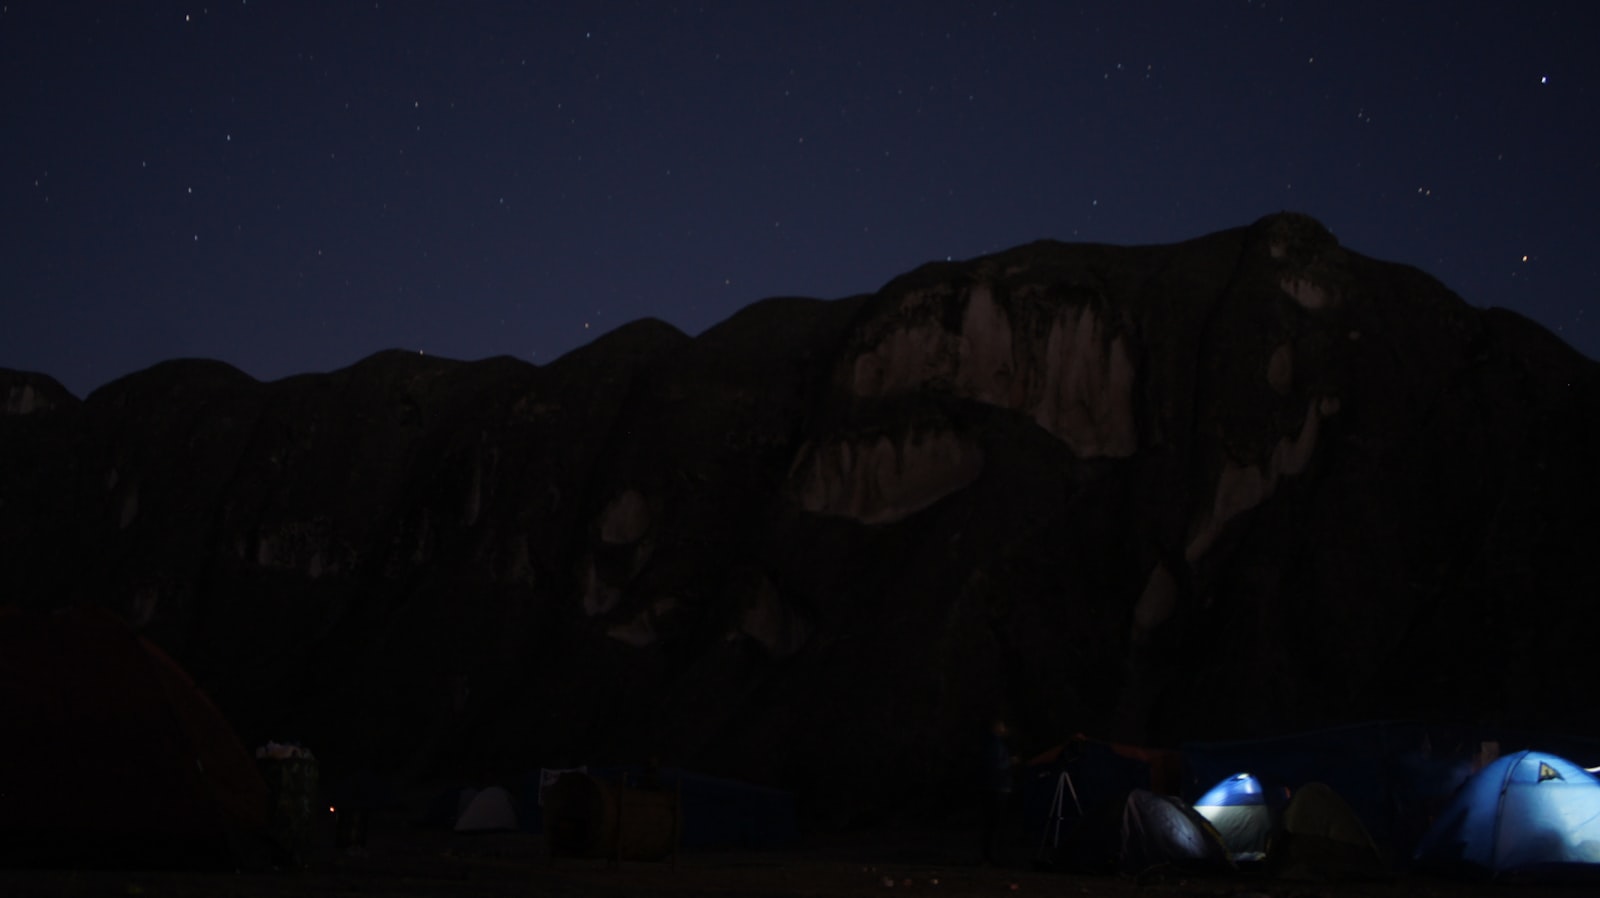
(490, 810)
(1528, 814)
(1239, 789)
(113, 757)
(1244, 811)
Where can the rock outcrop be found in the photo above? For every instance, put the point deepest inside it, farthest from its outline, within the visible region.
(1248, 482)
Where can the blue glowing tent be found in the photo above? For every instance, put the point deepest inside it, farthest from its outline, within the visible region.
(1244, 811)
(1528, 815)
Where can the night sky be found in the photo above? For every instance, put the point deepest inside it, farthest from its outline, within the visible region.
(291, 186)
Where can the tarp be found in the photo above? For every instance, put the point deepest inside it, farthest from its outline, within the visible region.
(1158, 769)
(113, 757)
(1528, 815)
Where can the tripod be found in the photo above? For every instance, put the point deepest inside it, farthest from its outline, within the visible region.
(1052, 829)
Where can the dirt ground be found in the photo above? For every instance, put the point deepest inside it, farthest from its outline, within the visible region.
(411, 863)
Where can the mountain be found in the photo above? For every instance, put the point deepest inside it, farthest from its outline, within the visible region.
(1241, 484)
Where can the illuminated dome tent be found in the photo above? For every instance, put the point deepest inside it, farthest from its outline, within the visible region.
(1527, 815)
(1243, 810)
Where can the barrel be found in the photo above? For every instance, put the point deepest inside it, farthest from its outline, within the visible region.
(589, 817)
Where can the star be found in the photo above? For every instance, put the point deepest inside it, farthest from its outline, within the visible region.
(677, 144)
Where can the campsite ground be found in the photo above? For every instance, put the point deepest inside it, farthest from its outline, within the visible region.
(415, 863)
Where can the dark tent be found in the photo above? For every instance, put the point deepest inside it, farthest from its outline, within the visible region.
(1320, 837)
(1528, 815)
(1160, 830)
(113, 756)
(1140, 832)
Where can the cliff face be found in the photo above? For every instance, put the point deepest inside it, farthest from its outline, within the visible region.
(1248, 482)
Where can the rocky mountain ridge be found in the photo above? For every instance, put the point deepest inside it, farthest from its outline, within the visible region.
(1245, 483)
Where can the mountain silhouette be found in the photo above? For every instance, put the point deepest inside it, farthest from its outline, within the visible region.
(1245, 483)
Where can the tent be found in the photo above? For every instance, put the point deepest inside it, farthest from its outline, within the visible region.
(490, 810)
(1245, 811)
(1358, 761)
(113, 756)
(1141, 831)
(1160, 830)
(1396, 775)
(1527, 815)
(1320, 837)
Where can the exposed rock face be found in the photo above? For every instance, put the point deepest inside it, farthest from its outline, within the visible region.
(24, 393)
(1060, 364)
(878, 479)
(1250, 481)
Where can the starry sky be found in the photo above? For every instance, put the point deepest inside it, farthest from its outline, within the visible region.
(291, 186)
